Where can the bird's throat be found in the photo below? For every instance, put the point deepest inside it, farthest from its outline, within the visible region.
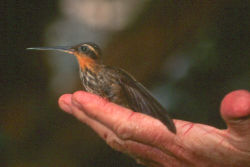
(86, 62)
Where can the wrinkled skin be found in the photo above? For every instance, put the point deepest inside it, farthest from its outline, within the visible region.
(149, 142)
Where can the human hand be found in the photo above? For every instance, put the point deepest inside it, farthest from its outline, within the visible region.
(149, 142)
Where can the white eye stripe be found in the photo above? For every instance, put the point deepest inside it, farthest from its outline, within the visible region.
(91, 48)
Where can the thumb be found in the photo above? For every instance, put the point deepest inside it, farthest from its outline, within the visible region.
(235, 110)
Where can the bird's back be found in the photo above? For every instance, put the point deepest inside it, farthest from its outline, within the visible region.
(121, 88)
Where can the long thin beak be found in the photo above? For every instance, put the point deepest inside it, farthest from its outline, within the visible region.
(66, 49)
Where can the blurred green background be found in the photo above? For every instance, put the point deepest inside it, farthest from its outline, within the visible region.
(188, 53)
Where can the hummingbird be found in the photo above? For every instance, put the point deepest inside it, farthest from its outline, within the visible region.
(114, 84)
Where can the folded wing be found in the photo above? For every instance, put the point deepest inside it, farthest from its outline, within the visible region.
(140, 100)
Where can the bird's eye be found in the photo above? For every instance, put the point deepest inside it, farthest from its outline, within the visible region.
(83, 48)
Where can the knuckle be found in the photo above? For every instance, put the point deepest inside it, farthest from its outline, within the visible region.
(123, 130)
(129, 126)
(114, 142)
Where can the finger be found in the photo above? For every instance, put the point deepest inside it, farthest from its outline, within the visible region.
(124, 122)
(142, 153)
(64, 103)
(128, 125)
(235, 110)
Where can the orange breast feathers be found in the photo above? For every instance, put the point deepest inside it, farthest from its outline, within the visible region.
(85, 62)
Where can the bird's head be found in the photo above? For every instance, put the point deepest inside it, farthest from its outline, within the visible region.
(87, 53)
(87, 49)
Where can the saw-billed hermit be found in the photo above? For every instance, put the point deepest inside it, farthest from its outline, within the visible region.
(114, 84)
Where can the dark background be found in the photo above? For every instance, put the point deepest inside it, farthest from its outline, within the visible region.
(189, 53)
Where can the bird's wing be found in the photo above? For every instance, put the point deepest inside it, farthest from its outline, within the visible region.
(140, 100)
